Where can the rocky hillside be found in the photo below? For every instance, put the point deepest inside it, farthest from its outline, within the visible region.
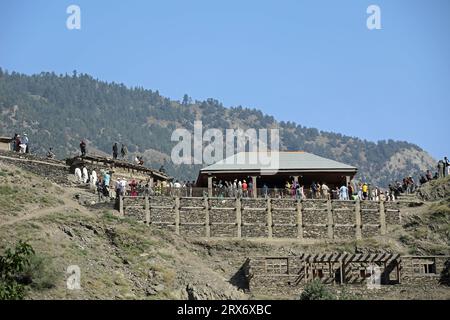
(59, 111)
(120, 258)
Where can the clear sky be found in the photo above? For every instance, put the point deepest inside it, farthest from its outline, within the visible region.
(313, 62)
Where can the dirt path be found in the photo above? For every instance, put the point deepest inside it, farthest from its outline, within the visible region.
(69, 205)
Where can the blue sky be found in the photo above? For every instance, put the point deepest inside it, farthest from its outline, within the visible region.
(312, 62)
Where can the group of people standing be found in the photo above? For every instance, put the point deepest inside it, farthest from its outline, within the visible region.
(20, 143)
(294, 189)
(102, 184)
(98, 183)
(123, 151)
(236, 188)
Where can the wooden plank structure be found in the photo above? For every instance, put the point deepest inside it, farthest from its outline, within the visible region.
(289, 274)
(330, 268)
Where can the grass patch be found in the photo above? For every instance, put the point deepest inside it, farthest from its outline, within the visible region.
(7, 191)
(40, 273)
(109, 217)
(166, 255)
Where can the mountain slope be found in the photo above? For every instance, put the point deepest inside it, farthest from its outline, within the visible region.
(121, 258)
(59, 111)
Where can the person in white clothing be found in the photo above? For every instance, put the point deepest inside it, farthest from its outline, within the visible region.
(85, 175)
(343, 193)
(93, 181)
(78, 174)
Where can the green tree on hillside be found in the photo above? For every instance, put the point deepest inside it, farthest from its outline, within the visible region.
(12, 263)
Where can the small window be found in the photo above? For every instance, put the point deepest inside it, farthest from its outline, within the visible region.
(424, 267)
(362, 273)
(320, 273)
(277, 266)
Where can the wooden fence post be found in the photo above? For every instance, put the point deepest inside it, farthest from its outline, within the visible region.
(121, 206)
(177, 215)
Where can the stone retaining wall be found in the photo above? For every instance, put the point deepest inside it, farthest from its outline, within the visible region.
(265, 218)
(289, 275)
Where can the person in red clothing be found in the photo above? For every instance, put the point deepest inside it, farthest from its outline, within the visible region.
(133, 187)
(245, 188)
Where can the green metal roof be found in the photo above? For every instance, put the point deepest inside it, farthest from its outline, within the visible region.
(287, 161)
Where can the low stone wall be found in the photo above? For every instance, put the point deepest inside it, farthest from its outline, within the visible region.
(286, 276)
(49, 169)
(265, 218)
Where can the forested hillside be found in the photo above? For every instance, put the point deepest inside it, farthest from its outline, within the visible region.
(60, 110)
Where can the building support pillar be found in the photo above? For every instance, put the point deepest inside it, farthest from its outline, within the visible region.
(121, 206)
(255, 187)
(347, 181)
(152, 182)
(210, 186)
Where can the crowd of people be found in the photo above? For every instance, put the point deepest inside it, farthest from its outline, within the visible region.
(123, 151)
(239, 188)
(443, 170)
(103, 185)
(138, 159)
(243, 188)
(409, 186)
(20, 143)
(294, 189)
